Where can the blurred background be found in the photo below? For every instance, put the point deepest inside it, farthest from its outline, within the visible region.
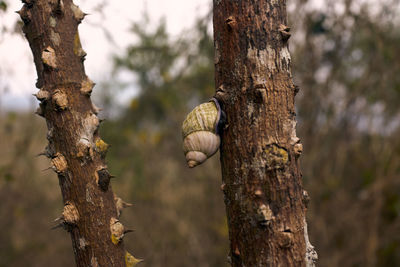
(153, 62)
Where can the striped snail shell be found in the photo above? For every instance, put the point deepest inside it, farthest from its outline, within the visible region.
(200, 132)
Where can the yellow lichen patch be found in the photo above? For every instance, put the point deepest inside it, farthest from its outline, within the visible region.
(77, 45)
(130, 260)
(101, 146)
(277, 157)
(114, 239)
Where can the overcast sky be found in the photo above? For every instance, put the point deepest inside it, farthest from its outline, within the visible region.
(17, 70)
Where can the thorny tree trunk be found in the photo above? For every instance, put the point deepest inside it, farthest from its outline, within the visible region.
(76, 151)
(264, 198)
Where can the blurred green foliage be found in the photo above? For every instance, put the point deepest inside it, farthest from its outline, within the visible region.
(347, 65)
(346, 62)
(172, 203)
(3, 6)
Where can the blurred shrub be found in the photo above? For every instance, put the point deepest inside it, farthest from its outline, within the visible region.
(346, 62)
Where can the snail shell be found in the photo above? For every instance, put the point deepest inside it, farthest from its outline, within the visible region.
(200, 132)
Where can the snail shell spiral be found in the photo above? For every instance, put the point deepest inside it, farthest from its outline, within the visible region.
(199, 132)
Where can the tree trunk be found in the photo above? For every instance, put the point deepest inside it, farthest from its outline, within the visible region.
(76, 151)
(264, 198)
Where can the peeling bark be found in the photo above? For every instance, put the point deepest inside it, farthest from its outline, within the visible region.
(262, 183)
(51, 28)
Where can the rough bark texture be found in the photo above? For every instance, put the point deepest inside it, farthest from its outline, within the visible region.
(75, 148)
(264, 198)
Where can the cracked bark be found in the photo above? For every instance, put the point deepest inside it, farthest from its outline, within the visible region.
(90, 213)
(264, 197)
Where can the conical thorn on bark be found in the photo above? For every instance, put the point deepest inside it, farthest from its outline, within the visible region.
(49, 58)
(70, 213)
(103, 178)
(78, 14)
(87, 87)
(42, 95)
(120, 205)
(59, 163)
(285, 32)
(117, 230)
(25, 14)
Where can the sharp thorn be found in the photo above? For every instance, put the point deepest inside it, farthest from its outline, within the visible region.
(59, 218)
(41, 154)
(49, 168)
(57, 226)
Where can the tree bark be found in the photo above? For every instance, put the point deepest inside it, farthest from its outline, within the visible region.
(264, 198)
(75, 148)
